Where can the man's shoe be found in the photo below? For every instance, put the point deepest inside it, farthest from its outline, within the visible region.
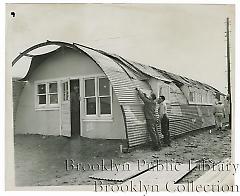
(167, 145)
(156, 148)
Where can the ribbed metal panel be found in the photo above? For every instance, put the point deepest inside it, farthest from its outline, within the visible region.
(122, 84)
(193, 117)
(136, 124)
(182, 118)
(149, 71)
(125, 76)
(124, 88)
(131, 70)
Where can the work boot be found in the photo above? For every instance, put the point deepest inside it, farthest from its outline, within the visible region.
(167, 145)
(156, 148)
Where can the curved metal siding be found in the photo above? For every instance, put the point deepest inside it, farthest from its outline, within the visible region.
(189, 118)
(122, 84)
(149, 71)
(124, 88)
(128, 67)
(183, 118)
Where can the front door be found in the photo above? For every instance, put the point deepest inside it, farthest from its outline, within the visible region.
(75, 107)
(65, 108)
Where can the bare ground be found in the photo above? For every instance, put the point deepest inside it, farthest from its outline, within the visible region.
(41, 160)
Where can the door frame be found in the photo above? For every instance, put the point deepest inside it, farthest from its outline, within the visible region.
(62, 80)
(61, 100)
(81, 95)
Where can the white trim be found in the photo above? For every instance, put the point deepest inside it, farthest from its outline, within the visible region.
(85, 98)
(96, 94)
(46, 106)
(97, 120)
(47, 109)
(60, 108)
(196, 103)
(94, 76)
(200, 93)
(96, 82)
(100, 96)
(63, 82)
(61, 102)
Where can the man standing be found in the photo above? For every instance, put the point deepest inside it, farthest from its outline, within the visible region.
(162, 111)
(149, 111)
(219, 114)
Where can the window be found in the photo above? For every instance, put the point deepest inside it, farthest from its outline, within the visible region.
(104, 96)
(90, 96)
(47, 94)
(200, 98)
(192, 96)
(205, 97)
(41, 94)
(98, 96)
(53, 93)
(65, 96)
(165, 91)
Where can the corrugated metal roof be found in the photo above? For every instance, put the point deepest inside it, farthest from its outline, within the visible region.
(124, 89)
(149, 71)
(131, 70)
(138, 69)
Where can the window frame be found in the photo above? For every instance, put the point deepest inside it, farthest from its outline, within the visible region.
(194, 94)
(163, 88)
(97, 97)
(46, 106)
(85, 98)
(48, 94)
(200, 96)
(37, 94)
(63, 100)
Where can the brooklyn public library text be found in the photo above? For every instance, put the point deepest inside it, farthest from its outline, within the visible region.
(140, 165)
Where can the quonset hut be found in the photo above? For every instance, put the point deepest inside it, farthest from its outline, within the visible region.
(109, 106)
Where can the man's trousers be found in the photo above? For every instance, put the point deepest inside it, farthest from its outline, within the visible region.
(152, 130)
(165, 129)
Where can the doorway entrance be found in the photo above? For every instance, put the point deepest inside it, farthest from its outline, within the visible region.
(75, 107)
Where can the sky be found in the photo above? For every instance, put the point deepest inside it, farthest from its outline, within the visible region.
(181, 38)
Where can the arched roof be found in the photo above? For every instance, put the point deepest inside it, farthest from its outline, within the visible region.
(116, 69)
(138, 68)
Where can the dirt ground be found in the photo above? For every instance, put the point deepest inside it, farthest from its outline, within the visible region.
(41, 160)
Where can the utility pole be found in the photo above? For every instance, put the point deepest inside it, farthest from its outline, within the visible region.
(229, 74)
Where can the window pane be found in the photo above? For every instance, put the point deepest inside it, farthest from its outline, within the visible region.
(191, 96)
(65, 91)
(105, 105)
(53, 87)
(41, 88)
(89, 87)
(54, 99)
(42, 99)
(91, 105)
(104, 86)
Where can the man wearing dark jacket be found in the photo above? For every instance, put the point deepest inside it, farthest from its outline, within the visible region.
(150, 115)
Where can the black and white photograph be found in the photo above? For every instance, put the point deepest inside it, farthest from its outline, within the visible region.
(120, 97)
